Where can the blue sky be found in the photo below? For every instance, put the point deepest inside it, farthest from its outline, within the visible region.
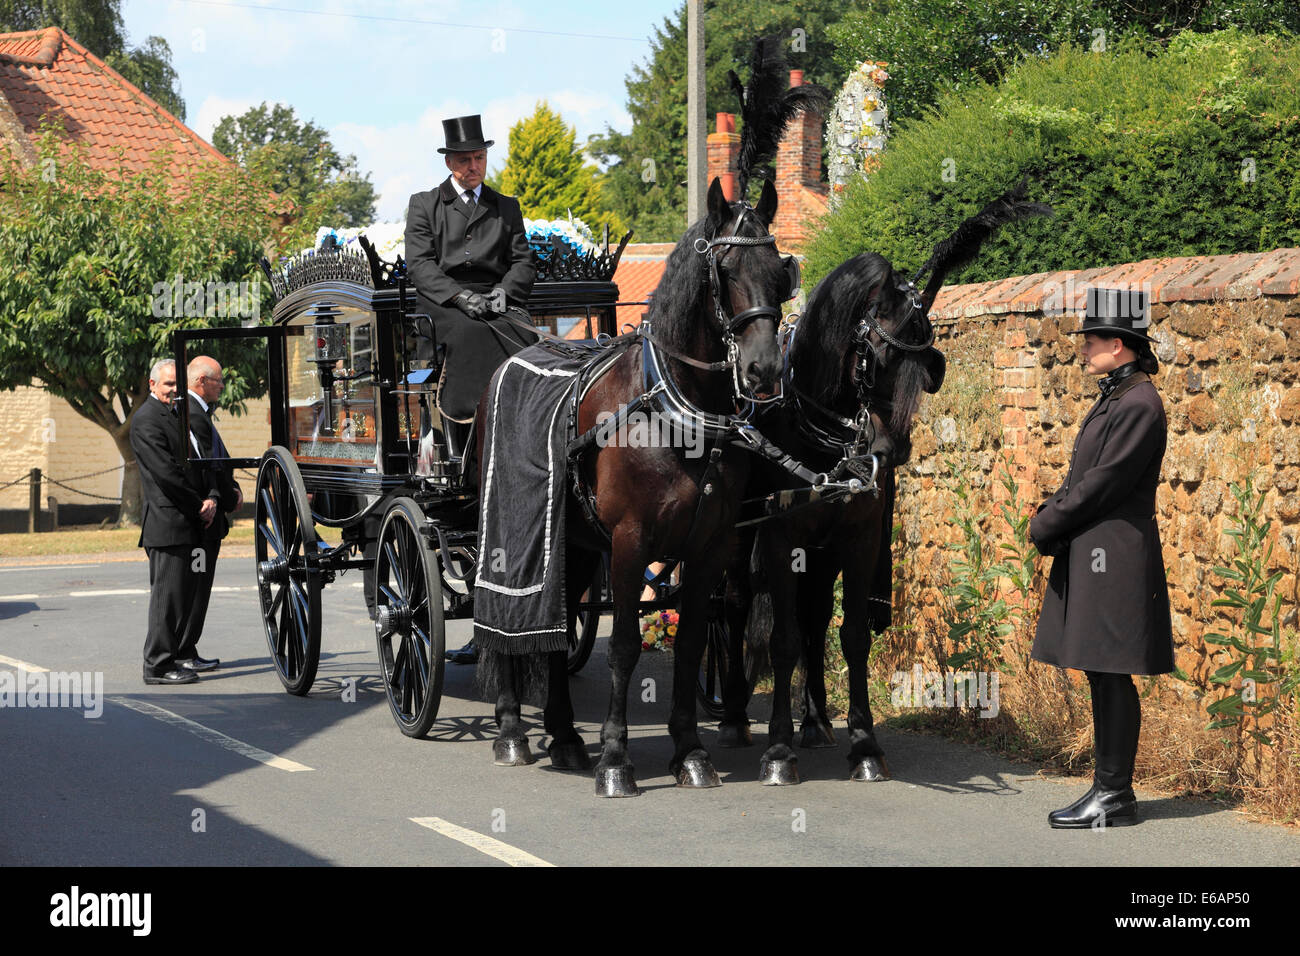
(381, 75)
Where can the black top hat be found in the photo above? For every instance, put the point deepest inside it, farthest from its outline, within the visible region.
(1121, 312)
(464, 134)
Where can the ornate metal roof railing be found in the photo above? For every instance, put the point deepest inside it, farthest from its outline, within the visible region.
(329, 262)
(560, 263)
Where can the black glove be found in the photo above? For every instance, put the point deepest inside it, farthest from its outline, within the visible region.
(472, 304)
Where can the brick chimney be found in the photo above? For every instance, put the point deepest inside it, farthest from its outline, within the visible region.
(724, 147)
(798, 172)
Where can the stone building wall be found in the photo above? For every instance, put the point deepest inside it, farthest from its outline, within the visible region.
(1228, 329)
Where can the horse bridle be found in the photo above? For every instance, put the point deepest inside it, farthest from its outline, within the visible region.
(869, 358)
(729, 326)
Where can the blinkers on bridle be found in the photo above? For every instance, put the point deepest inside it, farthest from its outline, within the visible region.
(731, 326)
(870, 357)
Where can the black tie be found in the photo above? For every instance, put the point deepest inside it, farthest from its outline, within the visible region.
(469, 200)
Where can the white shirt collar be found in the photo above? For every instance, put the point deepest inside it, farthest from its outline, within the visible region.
(460, 192)
(199, 398)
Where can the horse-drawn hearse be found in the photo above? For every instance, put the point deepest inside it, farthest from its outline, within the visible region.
(797, 428)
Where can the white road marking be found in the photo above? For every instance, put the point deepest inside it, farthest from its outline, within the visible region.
(210, 735)
(109, 593)
(47, 567)
(19, 597)
(484, 844)
(23, 665)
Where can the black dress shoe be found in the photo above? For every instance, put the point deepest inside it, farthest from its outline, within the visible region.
(1099, 808)
(172, 677)
(466, 655)
(200, 664)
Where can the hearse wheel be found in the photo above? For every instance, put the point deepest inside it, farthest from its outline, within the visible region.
(582, 637)
(715, 667)
(409, 624)
(288, 581)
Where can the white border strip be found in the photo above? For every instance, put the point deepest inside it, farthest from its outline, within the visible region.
(484, 844)
(210, 735)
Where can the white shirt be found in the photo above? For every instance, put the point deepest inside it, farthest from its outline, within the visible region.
(477, 190)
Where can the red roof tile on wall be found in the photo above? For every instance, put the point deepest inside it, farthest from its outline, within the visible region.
(47, 72)
(1245, 275)
(636, 277)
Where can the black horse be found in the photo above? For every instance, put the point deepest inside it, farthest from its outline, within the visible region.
(709, 343)
(858, 362)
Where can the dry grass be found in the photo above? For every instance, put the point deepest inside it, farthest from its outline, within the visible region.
(94, 540)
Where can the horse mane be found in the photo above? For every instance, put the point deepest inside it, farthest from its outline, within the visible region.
(682, 290)
(830, 319)
(960, 248)
(767, 104)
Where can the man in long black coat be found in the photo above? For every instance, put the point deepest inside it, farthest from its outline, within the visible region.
(463, 241)
(174, 514)
(205, 379)
(1106, 609)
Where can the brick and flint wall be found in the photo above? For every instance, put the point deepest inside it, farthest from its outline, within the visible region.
(1228, 329)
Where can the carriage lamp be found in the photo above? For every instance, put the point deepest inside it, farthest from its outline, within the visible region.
(330, 346)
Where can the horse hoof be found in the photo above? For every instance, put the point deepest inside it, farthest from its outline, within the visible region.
(697, 773)
(511, 752)
(778, 772)
(732, 736)
(570, 756)
(616, 782)
(815, 736)
(870, 769)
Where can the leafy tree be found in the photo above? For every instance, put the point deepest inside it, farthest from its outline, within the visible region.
(97, 25)
(84, 255)
(1191, 151)
(300, 162)
(546, 172)
(646, 167)
(938, 45)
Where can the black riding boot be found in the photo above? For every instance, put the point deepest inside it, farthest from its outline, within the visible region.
(1116, 721)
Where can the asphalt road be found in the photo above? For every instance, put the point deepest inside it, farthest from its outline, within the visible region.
(329, 780)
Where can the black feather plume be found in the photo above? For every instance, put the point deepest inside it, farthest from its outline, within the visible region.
(767, 104)
(961, 247)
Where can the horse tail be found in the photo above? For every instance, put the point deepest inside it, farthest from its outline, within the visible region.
(758, 634)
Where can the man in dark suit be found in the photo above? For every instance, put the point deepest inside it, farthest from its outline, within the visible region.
(468, 256)
(463, 242)
(173, 517)
(1106, 609)
(205, 379)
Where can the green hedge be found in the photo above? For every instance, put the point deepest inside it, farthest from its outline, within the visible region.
(1142, 152)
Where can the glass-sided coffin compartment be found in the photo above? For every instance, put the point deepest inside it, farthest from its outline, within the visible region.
(333, 413)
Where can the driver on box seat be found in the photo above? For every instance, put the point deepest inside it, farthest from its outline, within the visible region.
(465, 241)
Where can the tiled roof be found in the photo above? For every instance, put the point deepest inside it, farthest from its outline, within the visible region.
(46, 71)
(1246, 275)
(638, 274)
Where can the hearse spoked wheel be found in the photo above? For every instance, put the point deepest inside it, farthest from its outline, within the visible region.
(715, 667)
(288, 581)
(409, 625)
(586, 623)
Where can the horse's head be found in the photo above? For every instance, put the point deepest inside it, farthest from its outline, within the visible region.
(748, 280)
(869, 320)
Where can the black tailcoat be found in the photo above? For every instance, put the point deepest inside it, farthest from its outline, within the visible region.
(1107, 602)
(451, 248)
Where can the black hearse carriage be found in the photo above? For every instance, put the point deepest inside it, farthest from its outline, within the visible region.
(358, 445)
